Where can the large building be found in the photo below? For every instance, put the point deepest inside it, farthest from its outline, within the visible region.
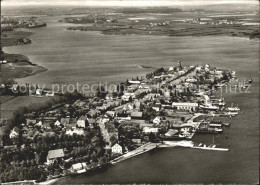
(185, 105)
(54, 154)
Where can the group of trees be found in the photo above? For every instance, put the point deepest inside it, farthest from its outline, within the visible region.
(87, 148)
(154, 73)
(18, 116)
(32, 153)
(127, 133)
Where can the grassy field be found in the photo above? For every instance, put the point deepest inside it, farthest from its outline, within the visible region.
(10, 103)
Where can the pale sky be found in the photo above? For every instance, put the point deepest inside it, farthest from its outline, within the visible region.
(123, 2)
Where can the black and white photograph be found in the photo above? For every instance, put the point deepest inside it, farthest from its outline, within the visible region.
(129, 92)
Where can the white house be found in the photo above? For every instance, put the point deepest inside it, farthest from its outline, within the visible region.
(39, 124)
(57, 123)
(134, 82)
(148, 130)
(77, 167)
(156, 107)
(157, 120)
(81, 123)
(14, 133)
(38, 92)
(75, 131)
(126, 98)
(111, 113)
(191, 80)
(117, 149)
(50, 94)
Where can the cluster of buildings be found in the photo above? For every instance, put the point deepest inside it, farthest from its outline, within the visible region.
(9, 23)
(212, 21)
(164, 105)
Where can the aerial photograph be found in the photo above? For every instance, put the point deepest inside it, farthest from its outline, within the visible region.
(129, 92)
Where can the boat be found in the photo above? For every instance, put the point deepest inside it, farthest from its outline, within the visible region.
(215, 124)
(233, 108)
(210, 147)
(209, 130)
(226, 124)
(233, 73)
(209, 107)
(219, 102)
(243, 85)
(232, 113)
(175, 137)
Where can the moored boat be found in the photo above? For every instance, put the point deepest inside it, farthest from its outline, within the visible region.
(210, 147)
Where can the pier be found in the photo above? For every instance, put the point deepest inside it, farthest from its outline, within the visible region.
(142, 149)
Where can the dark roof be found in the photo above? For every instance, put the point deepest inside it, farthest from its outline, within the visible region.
(73, 121)
(16, 129)
(83, 118)
(91, 120)
(65, 121)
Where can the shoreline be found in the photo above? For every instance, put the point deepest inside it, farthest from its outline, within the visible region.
(22, 67)
(153, 33)
(33, 68)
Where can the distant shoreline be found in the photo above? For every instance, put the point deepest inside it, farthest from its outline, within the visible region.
(23, 67)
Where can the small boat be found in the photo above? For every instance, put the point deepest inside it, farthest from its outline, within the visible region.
(233, 108)
(211, 147)
(210, 130)
(226, 124)
(209, 107)
(173, 137)
(232, 113)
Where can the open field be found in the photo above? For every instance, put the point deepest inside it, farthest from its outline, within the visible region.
(10, 103)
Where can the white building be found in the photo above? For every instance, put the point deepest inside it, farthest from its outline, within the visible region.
(126, 98)
(134, 82)
(117, 149)
(77, 167)
(185, 105)
(54, 154)
(75, 131)
(148, 130)
(81, 123)
(38, 92)
(14, 133)
(157, 120)
(191, 80)
(57, 123)
(50, 94)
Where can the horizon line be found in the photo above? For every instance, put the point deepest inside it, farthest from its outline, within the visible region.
(129, 3)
